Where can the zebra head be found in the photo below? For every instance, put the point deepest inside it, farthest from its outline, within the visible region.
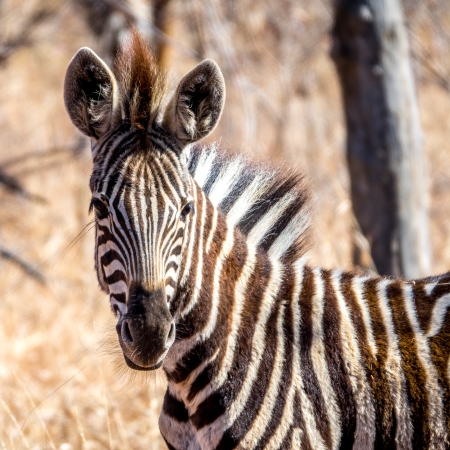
(141, 189)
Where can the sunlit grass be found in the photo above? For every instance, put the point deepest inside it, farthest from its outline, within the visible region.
(63, 383)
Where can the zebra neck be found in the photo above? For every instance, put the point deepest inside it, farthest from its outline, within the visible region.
(214, 257)
(231, 286)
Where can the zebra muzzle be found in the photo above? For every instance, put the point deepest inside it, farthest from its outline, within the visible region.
(147, 330)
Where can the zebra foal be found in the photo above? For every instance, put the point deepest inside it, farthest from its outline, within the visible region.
(203, 257)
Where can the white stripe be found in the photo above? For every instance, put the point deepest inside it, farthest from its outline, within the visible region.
(318, 359)
(227, 178)
(118, 288)
(143, 215)
(191, 234)
(269, 219)
(297, 385)
(296, 227)
(212, 433)
(394, 372)
(436, 419)
(358, 290)
(262, 420)
(195, 293)
(227, 246)
(152, 185)
(429, 287)
(204, 166)
(115, 223)
(180, 435)
(365, 414)
(107, 157)
(212, 230)
(114, 266)
(438, 315)
(296, 439)
(252, 193)
(135, 218)
(235, 316)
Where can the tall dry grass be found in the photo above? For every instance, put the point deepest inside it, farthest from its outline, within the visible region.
(62, 381)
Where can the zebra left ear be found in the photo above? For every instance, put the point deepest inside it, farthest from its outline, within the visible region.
(196, 107)
(91, 94)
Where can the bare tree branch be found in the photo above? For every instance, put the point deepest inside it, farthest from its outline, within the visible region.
(99, 14)
(28, 268)
(12, 184)
(23, 37)
(73, 148)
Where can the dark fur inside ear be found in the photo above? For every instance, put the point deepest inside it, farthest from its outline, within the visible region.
(90, 93)
(197, 104)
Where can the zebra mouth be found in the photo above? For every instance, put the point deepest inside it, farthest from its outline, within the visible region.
(134, 366)
(146, 330)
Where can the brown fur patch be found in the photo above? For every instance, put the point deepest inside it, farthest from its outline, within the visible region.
(142, 84)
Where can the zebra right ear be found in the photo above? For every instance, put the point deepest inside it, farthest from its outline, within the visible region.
(91, 94)
(196, 107)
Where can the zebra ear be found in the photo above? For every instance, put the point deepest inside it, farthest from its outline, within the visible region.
(197, 104)
(91, 94)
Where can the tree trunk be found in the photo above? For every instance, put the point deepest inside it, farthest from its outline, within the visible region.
(384, 140)
(163, 22)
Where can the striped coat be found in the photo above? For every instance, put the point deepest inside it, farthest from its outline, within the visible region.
(297, 357)
(203, 255)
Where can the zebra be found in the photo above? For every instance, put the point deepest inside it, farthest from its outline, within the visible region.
(204, 257)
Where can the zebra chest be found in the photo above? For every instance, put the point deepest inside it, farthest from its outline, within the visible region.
(218, 420)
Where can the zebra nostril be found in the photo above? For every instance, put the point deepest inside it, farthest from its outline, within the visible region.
(126, 333)
(171, 335)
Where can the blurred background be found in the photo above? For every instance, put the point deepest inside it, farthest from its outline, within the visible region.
(62, 384)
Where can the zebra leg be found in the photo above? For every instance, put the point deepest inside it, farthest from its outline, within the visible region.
(175, 425)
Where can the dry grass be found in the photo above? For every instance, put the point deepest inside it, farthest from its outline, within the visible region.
(62, 382)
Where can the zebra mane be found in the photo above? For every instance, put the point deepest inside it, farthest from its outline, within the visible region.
(270, 206)
(142, 85)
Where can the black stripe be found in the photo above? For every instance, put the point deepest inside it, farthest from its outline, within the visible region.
(256, 287)
(174, 408)
(236, 191)
(172, 265)
(196, 152)
(103, 147)
(121, 298)
(123, 236)
(415, 372)
(214, 172)
(282, 222)
(116, 276)
(285, 292)
(171, 282)
(311, 383)
(262, 206)
(337, 368)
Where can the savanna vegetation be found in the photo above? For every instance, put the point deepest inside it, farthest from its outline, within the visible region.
(63, 384)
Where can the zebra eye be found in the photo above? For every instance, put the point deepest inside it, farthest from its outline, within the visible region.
(101, 210)
(188, 208)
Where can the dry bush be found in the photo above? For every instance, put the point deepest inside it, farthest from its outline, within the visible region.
(63, 382)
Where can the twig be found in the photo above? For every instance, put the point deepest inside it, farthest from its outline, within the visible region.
(74, 147)
(129, 14)
(12, 184)
(25, 266)
(424, 56)
(23, 38)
